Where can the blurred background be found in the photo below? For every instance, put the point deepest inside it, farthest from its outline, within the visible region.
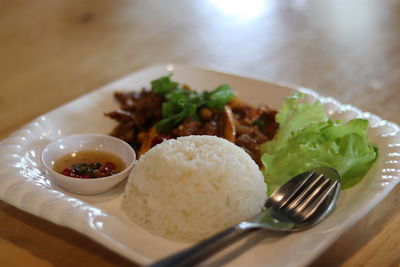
(52, 52)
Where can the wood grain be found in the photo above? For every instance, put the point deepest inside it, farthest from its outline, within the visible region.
(52, 52)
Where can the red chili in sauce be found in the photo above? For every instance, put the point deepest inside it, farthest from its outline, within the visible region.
(89, 164)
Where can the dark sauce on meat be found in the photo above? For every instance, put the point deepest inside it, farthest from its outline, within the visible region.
(246, 126)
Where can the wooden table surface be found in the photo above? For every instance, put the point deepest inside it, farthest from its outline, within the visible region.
(52, 52)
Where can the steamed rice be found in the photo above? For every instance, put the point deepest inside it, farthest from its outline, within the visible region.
(193, 187)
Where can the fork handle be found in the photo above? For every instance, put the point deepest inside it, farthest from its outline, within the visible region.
(206, 248)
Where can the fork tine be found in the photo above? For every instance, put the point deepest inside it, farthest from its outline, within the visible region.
(305, 193)
(310, 210)
(286, 200)
(311, 197)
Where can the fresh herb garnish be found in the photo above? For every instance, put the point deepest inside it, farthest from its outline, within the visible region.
(163, 85)
(181, 103)
(217, 98)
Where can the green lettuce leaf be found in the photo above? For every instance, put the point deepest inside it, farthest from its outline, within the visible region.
(306, 140)
(293, 116)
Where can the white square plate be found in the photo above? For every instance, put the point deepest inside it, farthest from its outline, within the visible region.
(24, 184)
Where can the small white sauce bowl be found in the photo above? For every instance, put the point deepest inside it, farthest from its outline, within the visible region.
(79, 142)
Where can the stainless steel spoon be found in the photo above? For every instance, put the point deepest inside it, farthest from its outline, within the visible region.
(300, 203)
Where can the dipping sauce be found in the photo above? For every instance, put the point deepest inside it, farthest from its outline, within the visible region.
(89, 164)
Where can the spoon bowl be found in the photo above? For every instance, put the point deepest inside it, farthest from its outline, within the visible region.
(304, 201)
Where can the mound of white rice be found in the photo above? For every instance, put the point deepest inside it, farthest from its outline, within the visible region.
(193, 187)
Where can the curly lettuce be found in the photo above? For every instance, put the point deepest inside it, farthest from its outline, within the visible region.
(307, 138)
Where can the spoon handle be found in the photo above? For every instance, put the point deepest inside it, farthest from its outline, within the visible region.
(206, 248)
